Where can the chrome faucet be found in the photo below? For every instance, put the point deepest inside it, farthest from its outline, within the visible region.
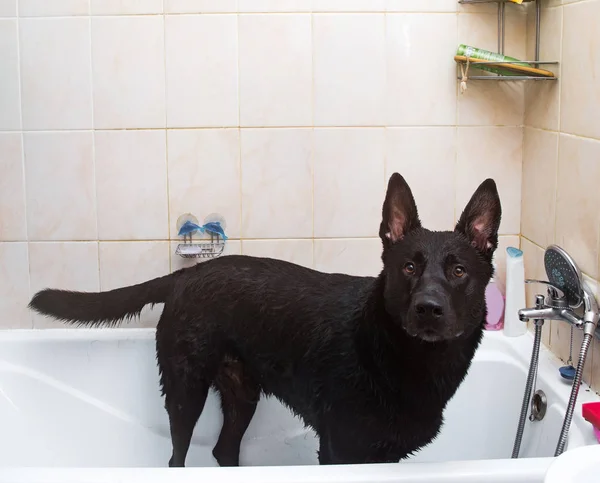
(569, 300)
(555, 306)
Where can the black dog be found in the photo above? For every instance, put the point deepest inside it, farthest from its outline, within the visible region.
(369, 363)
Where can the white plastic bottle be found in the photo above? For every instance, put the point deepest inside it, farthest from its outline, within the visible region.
(515, 293)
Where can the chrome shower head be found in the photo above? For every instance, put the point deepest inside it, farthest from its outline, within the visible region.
(562, 272)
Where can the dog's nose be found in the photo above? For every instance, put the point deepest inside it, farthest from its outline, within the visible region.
(428, 307)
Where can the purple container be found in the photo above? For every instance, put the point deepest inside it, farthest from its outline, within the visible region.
(495, 307)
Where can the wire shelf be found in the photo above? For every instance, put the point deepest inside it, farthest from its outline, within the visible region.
(509, 78)
(467, 2)
(501, 77)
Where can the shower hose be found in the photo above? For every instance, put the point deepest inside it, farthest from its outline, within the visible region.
(535, 356)
(564, 432)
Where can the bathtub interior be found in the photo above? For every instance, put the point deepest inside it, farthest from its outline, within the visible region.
(91, 399)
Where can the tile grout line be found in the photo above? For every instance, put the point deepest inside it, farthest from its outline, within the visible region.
(253, 13)
(166, 99)
(281, 127)
(239, 131)
(312, 133)
(23, 169)
(157, 240)
(456, 117)
(98, 259)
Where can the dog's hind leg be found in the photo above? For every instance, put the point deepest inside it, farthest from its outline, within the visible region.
(239, 398)
(185, 382)
(184, 406)
(188, 358)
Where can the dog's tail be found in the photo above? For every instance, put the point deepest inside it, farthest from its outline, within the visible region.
(101, 308)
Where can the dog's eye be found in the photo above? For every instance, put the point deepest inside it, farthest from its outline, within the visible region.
(409, 268)
(459, 271)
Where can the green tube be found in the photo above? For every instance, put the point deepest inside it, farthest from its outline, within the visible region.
(480, 54)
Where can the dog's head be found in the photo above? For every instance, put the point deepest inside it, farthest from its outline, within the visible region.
(435, 281)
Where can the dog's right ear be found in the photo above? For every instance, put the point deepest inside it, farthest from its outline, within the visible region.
(399, 212)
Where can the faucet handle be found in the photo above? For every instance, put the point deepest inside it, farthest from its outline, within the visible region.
(553, 290)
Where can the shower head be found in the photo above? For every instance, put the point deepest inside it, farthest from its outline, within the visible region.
(562, 272)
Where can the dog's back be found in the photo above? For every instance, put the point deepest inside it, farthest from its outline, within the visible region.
(288, 323)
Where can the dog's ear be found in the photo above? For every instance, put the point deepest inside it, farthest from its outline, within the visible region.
(399, 211)
(480, 220)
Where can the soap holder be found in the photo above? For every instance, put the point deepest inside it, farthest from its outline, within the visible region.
(200, 250)
(214, 226)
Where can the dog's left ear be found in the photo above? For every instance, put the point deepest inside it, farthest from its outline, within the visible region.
(480, 220)
(399, 211)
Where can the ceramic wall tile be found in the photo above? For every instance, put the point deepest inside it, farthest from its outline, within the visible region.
(348, 5)
(538, 204)
(360, 257)
(412, 152)
(577, 200)
(128, 61)
(491, 152)
(277, 165)
(131, 185)
(204, 176)
(13, 219)
(349, 69)
(202, 89)
(62, 265)
(59, 170)
(272, 47)
(14, 286)
(299, 252)
(271, 6)
(52, 8)
(56, 86)
(8, 8)
(542, 99)
(349, 182)
(580, 93)
(414, 45)
(429, 6)
(200, 6)
(126, 7)
(10, 105)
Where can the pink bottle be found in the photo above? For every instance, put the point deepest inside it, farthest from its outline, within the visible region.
(494, 301)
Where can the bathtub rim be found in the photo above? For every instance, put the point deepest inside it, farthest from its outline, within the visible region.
(475, 471)
(498, 347)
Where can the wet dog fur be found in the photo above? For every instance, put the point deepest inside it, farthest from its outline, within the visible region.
(368, 362)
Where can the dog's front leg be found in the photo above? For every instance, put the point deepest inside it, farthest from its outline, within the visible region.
(324, 450)
(352, 445)
(340, 446)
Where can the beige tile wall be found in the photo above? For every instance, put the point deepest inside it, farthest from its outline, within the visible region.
(561, 157)
(286, 116)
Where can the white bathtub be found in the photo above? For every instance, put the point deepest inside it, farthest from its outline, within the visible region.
(83, 405)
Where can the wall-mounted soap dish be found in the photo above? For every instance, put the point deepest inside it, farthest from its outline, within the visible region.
(188, 226)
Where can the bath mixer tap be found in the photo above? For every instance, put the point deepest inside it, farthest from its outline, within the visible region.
(554, 306)
(569, 300)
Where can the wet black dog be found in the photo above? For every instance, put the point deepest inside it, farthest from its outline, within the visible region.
(369, 363)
